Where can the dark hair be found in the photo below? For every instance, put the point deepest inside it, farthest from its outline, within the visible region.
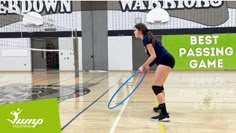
(142, 27)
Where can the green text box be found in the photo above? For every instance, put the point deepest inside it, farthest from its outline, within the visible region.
(202, 52)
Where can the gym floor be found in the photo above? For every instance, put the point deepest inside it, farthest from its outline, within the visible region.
(198, 102)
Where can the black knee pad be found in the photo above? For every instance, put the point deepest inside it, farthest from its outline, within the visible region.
(157, 89)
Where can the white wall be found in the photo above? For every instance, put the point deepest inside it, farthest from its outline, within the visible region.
(66, 54)
(120, 55)
(15, 54)
(13, 58)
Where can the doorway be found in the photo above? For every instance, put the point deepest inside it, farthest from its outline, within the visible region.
(45, 60)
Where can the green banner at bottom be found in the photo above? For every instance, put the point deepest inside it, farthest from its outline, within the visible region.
(40, 116)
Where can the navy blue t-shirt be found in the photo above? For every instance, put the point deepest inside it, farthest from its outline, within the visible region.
(159, 49)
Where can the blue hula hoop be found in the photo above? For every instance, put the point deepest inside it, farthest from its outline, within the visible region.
(135, 88)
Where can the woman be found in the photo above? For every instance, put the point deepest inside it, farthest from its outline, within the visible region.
(165, 62)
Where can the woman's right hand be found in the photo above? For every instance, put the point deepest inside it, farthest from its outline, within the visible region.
(141, 69)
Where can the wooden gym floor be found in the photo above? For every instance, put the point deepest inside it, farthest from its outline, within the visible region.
(198, 102)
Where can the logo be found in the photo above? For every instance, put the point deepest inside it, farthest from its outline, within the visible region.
(18, 122)
(39, 6)
(143, 5)
(23, 92)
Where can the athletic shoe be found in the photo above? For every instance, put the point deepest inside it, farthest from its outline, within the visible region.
(161, 117)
